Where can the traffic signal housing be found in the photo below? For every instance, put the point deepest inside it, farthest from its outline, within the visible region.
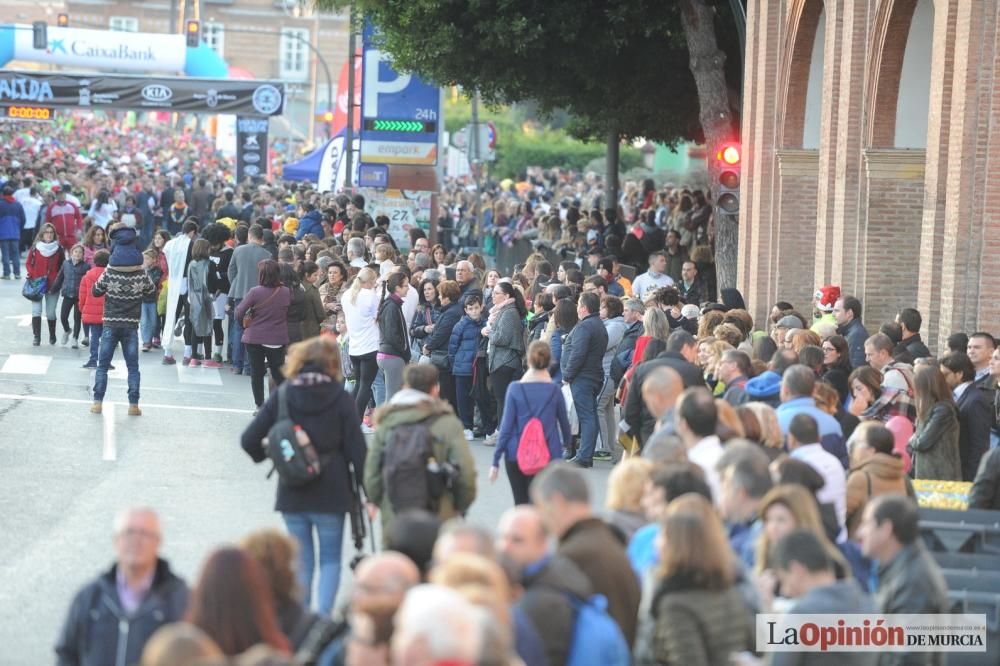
(192, 31)
(40, 35)
(729, 156)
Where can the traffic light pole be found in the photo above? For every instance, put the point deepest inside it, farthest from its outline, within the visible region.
(352, 41)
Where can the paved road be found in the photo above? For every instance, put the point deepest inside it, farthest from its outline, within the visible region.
(65, 472)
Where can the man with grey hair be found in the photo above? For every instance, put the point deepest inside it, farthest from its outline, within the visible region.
(465, 276)
(744, 479)
(632, 316)
(356, 253)
(797, 398)
(436, 625)
(562, 497)
(111, 618)
(660, 391)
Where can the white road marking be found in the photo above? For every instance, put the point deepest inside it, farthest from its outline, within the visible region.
(26, 364)
(24, 321)
(110, 449)
(120, 372)
(198, 375)
(144, 405)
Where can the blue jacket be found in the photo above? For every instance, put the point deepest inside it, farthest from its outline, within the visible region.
(464, 346)
(855, 334)
(524, 401)
(831, 436)
(583, 351)
(68, 280)
(310, 223)
(441, 335)
(11, 219)
(555, 368)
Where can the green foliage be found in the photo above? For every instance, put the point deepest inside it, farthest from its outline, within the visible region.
(614, 66)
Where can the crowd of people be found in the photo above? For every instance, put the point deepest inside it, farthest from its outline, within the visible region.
(759, 466)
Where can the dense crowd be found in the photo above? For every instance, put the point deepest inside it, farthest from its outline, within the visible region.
(759, 466)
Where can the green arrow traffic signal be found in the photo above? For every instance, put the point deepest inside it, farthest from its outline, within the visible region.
(386, 125)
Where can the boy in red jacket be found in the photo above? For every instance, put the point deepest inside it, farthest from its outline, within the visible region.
(92, 307)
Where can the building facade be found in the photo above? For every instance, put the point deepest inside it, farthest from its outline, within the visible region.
(263, 39)
(869, 133)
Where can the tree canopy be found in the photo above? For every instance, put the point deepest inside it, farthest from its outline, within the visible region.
(616, 67)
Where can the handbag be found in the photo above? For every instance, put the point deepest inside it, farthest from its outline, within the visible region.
(574, 421)
(439, 359)
(35, 288)
(249, 314)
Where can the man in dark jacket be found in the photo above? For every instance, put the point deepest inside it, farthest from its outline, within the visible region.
(582, 368)
(909, 581)
(549, 580)
(561, 495)
(985, 493)
(622, 360)
(847, 313)
(909, 321)
(682, 349)
(111, 618)
(11, 223)
(975, 411)
(465, 276)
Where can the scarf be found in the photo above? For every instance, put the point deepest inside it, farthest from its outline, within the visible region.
(47, 249)
(495, 313)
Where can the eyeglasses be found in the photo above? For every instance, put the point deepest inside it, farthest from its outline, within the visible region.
(829, 349)
(135, 533)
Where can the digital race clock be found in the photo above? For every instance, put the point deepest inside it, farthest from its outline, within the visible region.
(42, 113)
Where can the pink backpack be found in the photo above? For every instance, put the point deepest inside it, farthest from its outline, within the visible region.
(532, 448)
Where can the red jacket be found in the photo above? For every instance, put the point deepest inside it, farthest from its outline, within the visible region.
(39, 265)
(66, 218)
(91, 307)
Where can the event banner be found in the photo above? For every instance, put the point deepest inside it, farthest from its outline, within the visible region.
(251, 148)
(142, 93)
(103, 49)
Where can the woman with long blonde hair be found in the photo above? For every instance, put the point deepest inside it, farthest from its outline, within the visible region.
(360, 305)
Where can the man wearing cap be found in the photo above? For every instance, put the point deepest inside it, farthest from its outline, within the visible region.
(823, 302)
(65, 217)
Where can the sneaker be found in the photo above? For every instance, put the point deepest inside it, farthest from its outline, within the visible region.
(186, 360)
(95, 408)
(36, 342)
(89, 366)
(85, 342)
(468, 435)
(211, 364)
(156, 343)
(193, 362)
(65, 339)
(111, 366)
(169, 360)
(217, 358)
(602, 455)
(133, 410)
(579, 462)
(75, 345)
(236, 371)
(4, 277)
(146, 346)
(491, 439)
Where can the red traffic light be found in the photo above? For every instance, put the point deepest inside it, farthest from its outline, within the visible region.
(729, 154)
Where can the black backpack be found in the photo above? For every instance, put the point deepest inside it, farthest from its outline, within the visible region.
(412, 477)
(290, 449)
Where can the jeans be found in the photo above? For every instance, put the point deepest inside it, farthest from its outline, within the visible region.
(378, 385)
(392, 368)
(241, 361)
(149, 323)
(607, 423)
(585, 392)
(11, 257)
(329, 531)
(129, 339)
(275, 359)
(70, 305)
(365, 369)
(51, 300)
(96, 330)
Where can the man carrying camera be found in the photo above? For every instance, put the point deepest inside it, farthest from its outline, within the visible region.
(418, 457)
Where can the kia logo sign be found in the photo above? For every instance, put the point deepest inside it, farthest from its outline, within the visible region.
(157, 93)
(251, 158)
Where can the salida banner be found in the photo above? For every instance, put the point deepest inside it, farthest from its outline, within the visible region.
(251, 148)
(142, 93)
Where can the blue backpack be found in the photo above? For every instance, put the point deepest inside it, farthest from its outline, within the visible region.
(597, 640)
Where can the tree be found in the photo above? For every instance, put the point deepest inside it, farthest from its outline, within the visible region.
(621, 69)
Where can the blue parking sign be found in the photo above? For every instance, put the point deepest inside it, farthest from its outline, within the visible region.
(400, 113)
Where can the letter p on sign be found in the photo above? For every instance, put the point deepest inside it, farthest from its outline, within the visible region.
(374, 86)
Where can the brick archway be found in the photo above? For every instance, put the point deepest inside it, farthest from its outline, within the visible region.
(803, 22)
(885, 68)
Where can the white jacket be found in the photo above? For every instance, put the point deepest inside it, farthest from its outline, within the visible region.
(360, 317)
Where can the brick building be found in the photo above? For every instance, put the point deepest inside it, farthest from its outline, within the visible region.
(870, 143)
(257, 37)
